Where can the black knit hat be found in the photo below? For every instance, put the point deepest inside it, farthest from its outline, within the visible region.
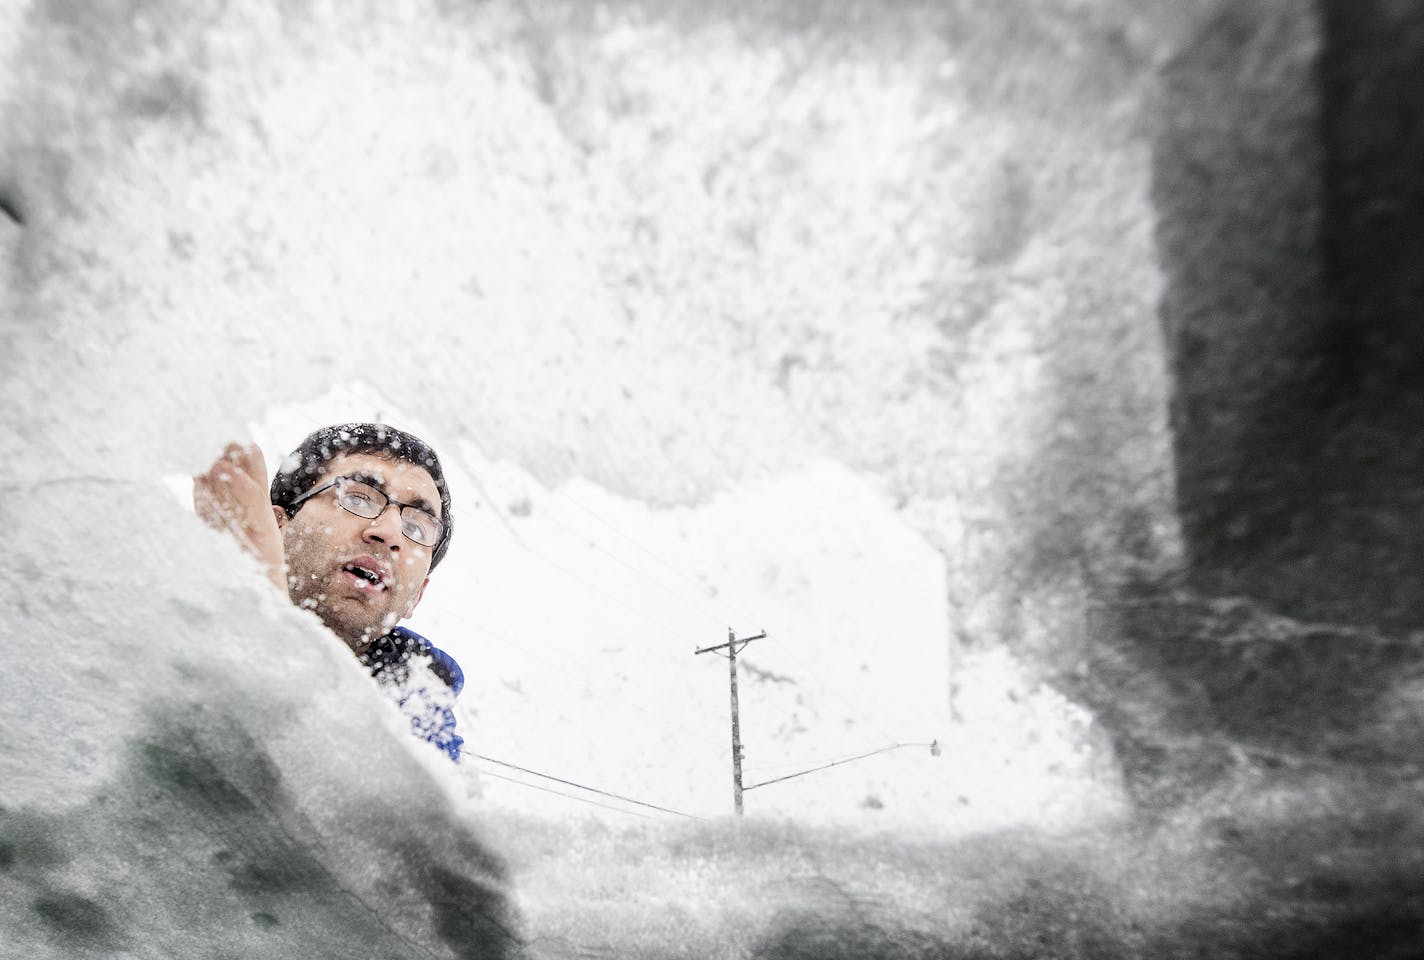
(304, 466)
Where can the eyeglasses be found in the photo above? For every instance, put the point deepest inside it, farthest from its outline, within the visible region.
(369, 502)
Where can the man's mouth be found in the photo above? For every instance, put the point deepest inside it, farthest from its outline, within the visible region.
(366, 573)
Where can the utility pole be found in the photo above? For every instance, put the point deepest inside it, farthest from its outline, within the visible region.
(732, 646)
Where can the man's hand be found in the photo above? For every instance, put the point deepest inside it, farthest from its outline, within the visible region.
(232, 497)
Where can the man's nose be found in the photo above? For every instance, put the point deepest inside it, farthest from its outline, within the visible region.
(385, 528)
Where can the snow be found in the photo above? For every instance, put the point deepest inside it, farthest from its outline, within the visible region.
(684, 379)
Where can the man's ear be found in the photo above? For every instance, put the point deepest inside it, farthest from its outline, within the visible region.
(281, 516)
(410, 607)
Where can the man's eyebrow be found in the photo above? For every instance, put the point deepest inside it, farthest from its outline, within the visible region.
(367, 478)
(425, 505)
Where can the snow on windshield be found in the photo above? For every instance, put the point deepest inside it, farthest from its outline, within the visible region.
(717, 325)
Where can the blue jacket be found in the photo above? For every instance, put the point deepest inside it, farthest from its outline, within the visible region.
(431, 717)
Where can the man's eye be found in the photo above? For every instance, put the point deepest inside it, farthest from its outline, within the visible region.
(421, 527)
(363, 504)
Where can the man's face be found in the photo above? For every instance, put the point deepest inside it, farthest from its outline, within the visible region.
(360, 576)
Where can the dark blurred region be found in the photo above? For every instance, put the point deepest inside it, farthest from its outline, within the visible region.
(1292, 229)
(1270, 701)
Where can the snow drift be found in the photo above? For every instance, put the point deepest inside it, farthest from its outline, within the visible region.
(850, 312)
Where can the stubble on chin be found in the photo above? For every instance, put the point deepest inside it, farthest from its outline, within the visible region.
(360, 636)
(356, 626)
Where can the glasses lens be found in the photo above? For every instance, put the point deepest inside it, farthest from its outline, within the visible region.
(370, 502)
(360, 498)
(421, 526)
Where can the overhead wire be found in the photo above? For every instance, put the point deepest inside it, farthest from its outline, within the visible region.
(504, 636)
(567, 796)
(702, 596)
(668, 631)
(768, 767)
(834, 763)
(855, 710)
(580, 786)
(691, 602)
(741, 644)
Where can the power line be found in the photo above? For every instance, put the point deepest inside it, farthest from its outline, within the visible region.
(554, 517)
(504, 635)
(854, 711)
(560, 793)
(649, 553)
(771, 767)
(933, 745)
(570, 783)
(668, 631)
(692, 603)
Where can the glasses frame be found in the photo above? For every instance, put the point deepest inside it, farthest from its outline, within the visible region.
(337, 481)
